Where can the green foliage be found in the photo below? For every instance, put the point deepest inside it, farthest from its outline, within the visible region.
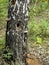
(38, 25)
(3, 15)
(43, 24)
(37, 32)
(7, 54)
(33, 28)
(3, 12)
(2, 40)
(38, 6)
(39, 40)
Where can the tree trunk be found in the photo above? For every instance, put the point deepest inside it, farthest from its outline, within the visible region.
(16, 32)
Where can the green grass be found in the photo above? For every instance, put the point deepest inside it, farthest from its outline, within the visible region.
(3, 16)
(3, 12)
(38, 25)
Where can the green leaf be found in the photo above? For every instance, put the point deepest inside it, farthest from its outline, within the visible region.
(39, 40)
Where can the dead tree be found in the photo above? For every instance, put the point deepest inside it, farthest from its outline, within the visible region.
(16, 32)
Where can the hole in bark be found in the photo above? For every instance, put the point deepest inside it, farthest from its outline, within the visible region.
(18, 24)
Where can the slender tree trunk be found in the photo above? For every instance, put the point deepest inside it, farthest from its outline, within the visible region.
(16, 32)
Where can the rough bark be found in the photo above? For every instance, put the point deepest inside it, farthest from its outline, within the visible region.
(16, 32)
